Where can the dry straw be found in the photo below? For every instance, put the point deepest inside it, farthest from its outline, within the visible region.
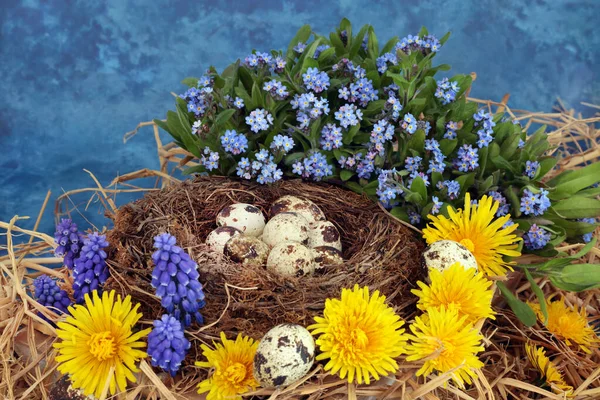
(28, 371)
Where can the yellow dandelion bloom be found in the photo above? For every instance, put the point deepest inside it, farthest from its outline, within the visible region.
(548, 370)
(570, 325)
(446, 342)
(360, 335)
(477, 228)
(97, 337)
(459, 288)
(231, 362)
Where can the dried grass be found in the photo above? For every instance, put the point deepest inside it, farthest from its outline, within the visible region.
(27, 368)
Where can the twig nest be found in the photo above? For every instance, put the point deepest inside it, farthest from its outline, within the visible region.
(284, 355)
(217, 239)
(301, 206)
(324, 233)
(325, 255)
(443, 253)
(62, 390)
(286, 227)
(291, 259)
(245, 217)
(247, 250)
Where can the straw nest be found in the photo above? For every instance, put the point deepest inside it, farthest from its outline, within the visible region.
(378, 252)
(28, 369)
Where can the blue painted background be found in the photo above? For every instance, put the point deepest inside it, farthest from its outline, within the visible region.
(76, 75)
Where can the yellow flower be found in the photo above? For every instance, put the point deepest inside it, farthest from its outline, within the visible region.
(459, 288)
(478, 230)
(549, 372)
(360, 335)
(570, 325)
(447, 343)
(97, 337)
(232, 363)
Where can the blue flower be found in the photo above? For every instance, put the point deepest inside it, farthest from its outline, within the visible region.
(313, 166)
(259, 120)
(531, 168)
(276, 89)
(300, 47)
(384, 59)
(588, 236)
(331, 137)
(263, 168)
(48, 294)
(446, 91)
(534, 204)
(388, 189)
(409, 123)
(205, 81)
(175, 278)
(348, 115)
(451, 128)
(197, 99)
(282, 143)
(362, 91)
(486, 122)
(196, 127)
(427, 44)
(258, 60)
(435, 209)
(320, 49)
(69, 241)
(238, 103)
(414, 217)
(413, 164)
(233, 142)
(503, 208)
(536, 238)
(278, 65)
(452, 187)
(167, 345)
(424, 125)
(309, 108)
(521, 143)
(315, 80)
(394, 105)
(366, 166)
(467, 160)
(210, 159)
(90, 271)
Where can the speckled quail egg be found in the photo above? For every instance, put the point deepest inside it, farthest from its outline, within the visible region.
(62, 390)
(443, 253)
(285, 355)
(216, 239)
(324, 233)
(304, 207)
(247, 250)
(286, 227)
(325, 255)
(245, 217)
(291, 259)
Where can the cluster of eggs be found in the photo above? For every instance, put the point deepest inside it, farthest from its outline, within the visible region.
(296, 241)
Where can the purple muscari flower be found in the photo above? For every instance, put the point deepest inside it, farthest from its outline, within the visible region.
(409, 123)
(435, 209)
(300, 47)
(588, 236)
(389, 189)
(48, 294)
(503, 208)
(446, 91)
(331, 137)
(69, 241)
(467, 160)
(282, 143)
(536, 238)
(167, 345)
(531, 168)
(348, 115)
(233, 142)
(320, 49)
(313, 166)
(414, 217)
(534, 204)
(90, 271)
(175, 278)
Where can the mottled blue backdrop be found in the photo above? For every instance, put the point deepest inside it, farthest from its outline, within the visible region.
(76, 75)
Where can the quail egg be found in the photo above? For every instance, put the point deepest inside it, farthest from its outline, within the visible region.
(304, 207)
(216, 239)
(245, 217)
(325, 255)
(443, 253)
(247, 250)
(284, 355)
(324, 233)
(63, 390)
(291, 259)
(286, 227)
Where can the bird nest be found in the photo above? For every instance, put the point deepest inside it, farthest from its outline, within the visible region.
(378, 251)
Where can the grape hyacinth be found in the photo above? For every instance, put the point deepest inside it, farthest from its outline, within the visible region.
(314, 166)
(588, 236)
(348, 115)
(534, 204)
(503, 208)
(48, 294)
(167, 345)
(331, 137)
(446, 91)
(210, 159)
(536, 238)
(233, 142)
(69, 241)
(282, 144)
(90, 270)
(175, 278)
(467, 160)
(315, 80)
(531, 168)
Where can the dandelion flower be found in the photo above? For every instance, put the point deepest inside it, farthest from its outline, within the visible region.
(232, 368)
(360, 335)
(447, 343)
(96, 337)
(570, 325)
(478, 230)
(457, 287)
(547, 369)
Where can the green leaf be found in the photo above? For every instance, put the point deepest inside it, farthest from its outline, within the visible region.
(400, 213)
(525, 314)
(293, 157)
(539, 294)
(325, 54)
(224, 116)
(578, 207)
(466, 181)
(243, 94)
(190, 82)
(417, 141)
(373, 45)
(337, 43)
(501, 162)
(581, 274)
(302, 35)
(162, 124)
(346, 175)
(418, 186)
(257, 97)
(445, 38)
(567, 184)
(194, 170)
(357, 42)
(447, 146)
(348, 136)
(546, 165)
(355, 187)
(390, 45)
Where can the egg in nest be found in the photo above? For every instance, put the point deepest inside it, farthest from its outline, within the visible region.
(217, 239)
(303, 207)
(291, 259)
(245, 217)
(324, 233)
(247, 250)
(286, 227)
